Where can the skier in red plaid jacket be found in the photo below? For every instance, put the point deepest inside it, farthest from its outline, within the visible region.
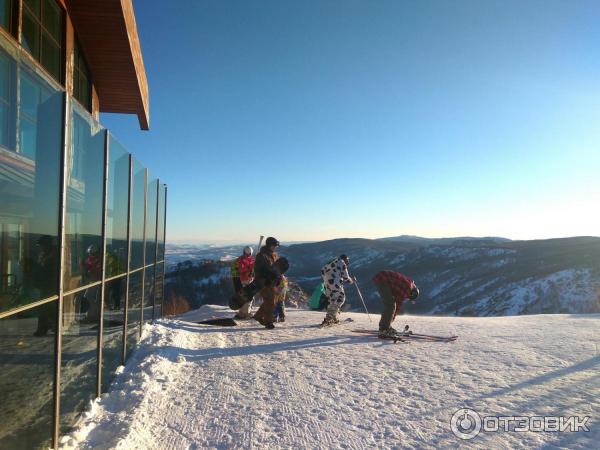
(394, 289)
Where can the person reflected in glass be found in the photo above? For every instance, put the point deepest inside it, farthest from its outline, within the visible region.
(92, 271)
(115, 265)
(44, 279)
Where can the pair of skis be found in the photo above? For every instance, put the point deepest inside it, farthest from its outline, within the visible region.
(408, 335)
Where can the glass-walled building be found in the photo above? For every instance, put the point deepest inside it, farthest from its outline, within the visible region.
(82, 222)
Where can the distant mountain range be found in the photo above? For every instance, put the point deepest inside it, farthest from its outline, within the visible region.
(463, 276)
(442, 241)
(467, 276)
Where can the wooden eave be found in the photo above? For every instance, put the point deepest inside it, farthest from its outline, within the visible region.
(108, 35)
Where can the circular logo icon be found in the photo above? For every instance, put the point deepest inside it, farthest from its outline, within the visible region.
(465, 424)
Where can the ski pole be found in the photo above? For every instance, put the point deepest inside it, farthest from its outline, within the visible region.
(362, 299)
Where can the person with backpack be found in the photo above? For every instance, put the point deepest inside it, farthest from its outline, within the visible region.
(335, 274)
(266, 274)
(242, 274)
(394, 289)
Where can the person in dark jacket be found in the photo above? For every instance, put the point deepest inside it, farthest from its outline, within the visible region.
(394, 289)
(44, 276)
(265, 276)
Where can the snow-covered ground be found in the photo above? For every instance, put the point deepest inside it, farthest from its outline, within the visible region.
(191, 386)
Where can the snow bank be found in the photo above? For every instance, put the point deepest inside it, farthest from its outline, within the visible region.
(299, 386)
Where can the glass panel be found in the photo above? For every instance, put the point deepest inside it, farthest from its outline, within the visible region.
(76, 92)
(134, 310)
(4, 123)
(81, 84)
(159, 289)
(118, 199)
(85, 96)
(51, 56)
(7, 106)
(27, 378)
(6, 73)
(114, 315)
(5, 14)
(148, 293)
(137, 215)
(29, 189)
(52, 19)
(151, 221)
(30, 35)
(83, 226)
(34, 94)
(80, 318)
(161, 223)
(33, 5)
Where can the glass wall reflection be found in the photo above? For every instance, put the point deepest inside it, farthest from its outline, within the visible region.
(32, 125)
(148, 293)
(81, 315)
(151, 220)
(137, 215)
(114, 316)
(160, 231)
(27, 378)
(29, 185)
(134, 312)
(116, 216)
(85, 179)
(158, 290)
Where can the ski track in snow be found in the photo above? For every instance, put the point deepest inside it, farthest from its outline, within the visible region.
(192, 386)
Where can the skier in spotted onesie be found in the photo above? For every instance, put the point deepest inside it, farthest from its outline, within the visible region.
(335, 274)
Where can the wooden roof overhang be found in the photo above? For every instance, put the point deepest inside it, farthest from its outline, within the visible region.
(107, 32)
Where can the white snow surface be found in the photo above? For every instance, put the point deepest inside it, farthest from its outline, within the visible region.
(191, 386)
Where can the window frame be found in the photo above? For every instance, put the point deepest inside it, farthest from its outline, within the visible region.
(13, 20)
(42, 32)
(81, 71)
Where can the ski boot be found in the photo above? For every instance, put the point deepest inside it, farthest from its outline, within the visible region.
(390, 333)
(329, 321)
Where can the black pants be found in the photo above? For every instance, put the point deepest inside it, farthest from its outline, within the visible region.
(389, 306)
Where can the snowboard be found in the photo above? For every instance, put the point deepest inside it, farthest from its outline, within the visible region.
(222, 322)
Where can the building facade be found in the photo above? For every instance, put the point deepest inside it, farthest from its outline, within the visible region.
(82, 222)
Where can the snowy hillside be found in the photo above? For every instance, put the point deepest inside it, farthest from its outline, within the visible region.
(466, 276)
(193, 386)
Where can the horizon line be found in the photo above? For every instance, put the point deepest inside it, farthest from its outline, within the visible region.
(226, 242)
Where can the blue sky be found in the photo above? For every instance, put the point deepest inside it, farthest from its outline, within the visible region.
(321, 119)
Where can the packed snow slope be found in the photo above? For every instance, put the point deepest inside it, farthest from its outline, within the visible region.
(191, 386)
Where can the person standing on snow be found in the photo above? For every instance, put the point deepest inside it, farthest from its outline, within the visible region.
(265, 276)
(394, 289)
(242, 274)
(335, 274)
